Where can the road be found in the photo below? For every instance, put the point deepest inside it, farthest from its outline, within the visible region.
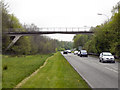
(96, 74)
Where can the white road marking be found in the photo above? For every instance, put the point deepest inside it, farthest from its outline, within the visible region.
(96, 64)
(111, 69)
(109, 65)
(115, 68)
(104, 64)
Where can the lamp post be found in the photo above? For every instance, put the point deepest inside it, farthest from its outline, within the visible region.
(104, 15)
(118, 6)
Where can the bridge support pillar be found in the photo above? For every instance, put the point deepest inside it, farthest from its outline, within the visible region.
(13, 41)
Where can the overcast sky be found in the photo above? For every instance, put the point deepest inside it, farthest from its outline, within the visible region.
(61, 13)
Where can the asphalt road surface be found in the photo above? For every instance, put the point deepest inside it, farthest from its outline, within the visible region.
(95, 73)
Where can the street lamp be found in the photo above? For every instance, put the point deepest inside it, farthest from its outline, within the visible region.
(99, 14)
(104, 15)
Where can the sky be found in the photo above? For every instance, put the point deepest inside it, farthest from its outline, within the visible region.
(61, 13)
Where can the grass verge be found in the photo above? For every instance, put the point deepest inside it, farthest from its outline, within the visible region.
(57, 73)
(15, 69)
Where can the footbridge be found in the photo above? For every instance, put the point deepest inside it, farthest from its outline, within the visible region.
(17, 33)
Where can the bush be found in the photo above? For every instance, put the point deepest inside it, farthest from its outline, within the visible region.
(5, 67)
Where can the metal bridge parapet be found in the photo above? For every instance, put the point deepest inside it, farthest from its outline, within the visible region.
(18, 32)
(47, 30)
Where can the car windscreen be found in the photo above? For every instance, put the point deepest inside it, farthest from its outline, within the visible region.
(83, 51)
(76, 51)
(107, 54)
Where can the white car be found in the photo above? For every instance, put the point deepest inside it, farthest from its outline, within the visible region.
(69, 51)
(75, 52)
(106, 57)
(83, 53)
(78, 53)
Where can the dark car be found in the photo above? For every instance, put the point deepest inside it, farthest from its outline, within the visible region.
(83, 53)
(65, 52)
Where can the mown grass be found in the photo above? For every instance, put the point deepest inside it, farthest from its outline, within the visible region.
(57, 73)
(15, 69)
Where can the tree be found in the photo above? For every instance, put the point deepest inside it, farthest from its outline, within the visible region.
(106, 36)
(80, 40)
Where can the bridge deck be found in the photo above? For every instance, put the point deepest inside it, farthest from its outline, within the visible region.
(47, 32)
(18, 33)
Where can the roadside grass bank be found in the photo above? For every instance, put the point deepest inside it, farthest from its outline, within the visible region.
(16, 68)
(57, 73)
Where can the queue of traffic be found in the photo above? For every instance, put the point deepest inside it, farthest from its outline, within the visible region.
(103, 57)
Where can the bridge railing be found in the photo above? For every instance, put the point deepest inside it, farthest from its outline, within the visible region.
(45, 29)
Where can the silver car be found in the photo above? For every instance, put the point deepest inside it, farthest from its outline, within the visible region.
(75, 52)
(106, 57)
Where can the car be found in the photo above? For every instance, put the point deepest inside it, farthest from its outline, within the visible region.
(75, 52)
(83, 53)
(65, 52)
(78, 53)
(69, 51)
(106, 57)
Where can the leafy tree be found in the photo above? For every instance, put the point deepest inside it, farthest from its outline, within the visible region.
(80, 40)
(106, 36)
(27, 44)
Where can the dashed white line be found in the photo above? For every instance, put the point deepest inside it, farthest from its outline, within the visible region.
(104, 64)
(115, 68)
(109, 65)
(111, 69)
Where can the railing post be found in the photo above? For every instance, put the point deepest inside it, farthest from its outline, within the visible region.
(78, 29)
